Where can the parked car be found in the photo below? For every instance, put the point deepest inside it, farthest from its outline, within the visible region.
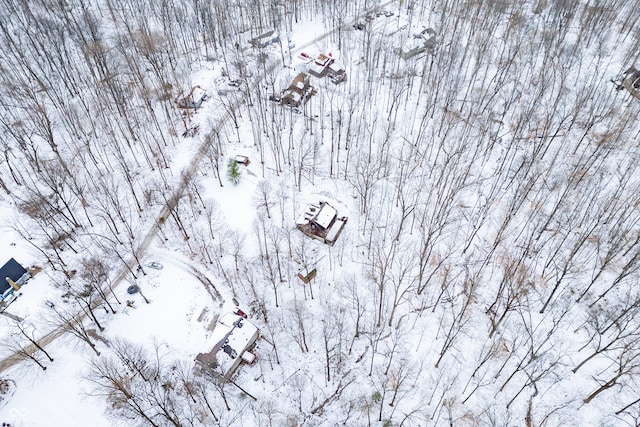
(239, 312)
(155, 265)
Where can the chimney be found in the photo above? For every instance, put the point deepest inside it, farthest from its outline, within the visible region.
(13, 284)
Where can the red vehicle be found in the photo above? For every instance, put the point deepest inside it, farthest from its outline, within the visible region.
(239, 312)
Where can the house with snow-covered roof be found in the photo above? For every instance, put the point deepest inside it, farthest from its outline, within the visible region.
(297, 93)
(193, 99)
(12, 277)
(326, 65)
(419, 43)
(320, 66)
(336, 73)
(630, 80)
(265, 39)
(320, 221)
(233, 338)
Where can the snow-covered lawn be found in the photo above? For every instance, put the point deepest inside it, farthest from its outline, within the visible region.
(177, 319)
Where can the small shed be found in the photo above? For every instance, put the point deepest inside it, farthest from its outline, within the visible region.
(242, 160)
(12, 277)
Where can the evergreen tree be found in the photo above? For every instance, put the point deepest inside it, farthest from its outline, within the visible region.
(233, 171)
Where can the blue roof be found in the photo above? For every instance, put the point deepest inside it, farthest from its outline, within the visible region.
(13, 270)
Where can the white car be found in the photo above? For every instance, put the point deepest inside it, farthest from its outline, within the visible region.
(155, 265)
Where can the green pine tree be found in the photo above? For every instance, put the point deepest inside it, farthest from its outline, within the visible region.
(233, 171)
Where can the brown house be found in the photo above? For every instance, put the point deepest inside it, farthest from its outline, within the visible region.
(321, 221)
(320, 66)
(297, 93)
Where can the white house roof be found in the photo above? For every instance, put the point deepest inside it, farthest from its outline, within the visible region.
(197, 93)
(335, 230)
(321, 214)
(318, 69)
(231, 337)
(336, 67)
(326, 215)
(295, 96)
(308, 214)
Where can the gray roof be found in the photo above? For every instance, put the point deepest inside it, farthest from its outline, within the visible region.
(13, 270)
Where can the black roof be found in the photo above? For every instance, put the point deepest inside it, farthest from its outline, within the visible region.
(11, 269)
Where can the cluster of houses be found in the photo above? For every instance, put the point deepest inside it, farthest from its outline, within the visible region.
(234, 336)
(300, 89)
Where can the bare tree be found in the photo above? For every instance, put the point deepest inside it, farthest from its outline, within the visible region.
(18, 348)
(264, 196)
(74, 323)
(28, 332)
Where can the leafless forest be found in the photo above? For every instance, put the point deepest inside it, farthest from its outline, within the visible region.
(487, 275)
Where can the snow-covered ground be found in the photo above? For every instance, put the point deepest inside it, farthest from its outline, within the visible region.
(490, 255)
(177, 319)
